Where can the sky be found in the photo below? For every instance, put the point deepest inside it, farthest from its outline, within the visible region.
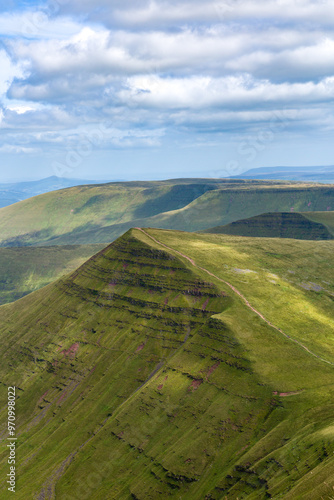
(152, 89)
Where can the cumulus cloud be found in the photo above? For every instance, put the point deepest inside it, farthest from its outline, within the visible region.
(154, 13)
(99, 60)
(163, 12)
(303, 62)
(104, 52)
(8, 71)
(230, 92)
(219, 67)
(36, 23)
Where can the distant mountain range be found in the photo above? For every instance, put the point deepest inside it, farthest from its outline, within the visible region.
(307, 174)
(101, 213)
(18, 191)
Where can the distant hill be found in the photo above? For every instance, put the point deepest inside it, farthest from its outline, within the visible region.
(11, 193)
(307, 174)
(18, 191)
(281, 225)
(101, 213)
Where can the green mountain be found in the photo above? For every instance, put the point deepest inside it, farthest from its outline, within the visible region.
(303, 226)
(100, 214)
(26, 269)
(160, 369)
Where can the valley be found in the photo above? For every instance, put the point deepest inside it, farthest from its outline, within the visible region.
(26, 269)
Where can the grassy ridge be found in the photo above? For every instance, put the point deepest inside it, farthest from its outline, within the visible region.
(100, 214)
(141, 377)
(86, 208)
(225, 206)
(296, 275)
(325, 218)
(303, 226)
(26, 269)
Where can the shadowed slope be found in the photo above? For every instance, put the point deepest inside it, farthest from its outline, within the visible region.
(277, 225)
(69, 212)
(26, 269)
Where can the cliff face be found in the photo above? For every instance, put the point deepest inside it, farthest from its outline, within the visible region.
(130, 387)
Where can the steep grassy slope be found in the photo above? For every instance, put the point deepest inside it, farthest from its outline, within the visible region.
(26, 269)
(325, 218)
(141, 376)
(290, 281)
(224, 206)
(280, 225)
(99, 214)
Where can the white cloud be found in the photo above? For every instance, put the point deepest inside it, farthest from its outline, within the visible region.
(230, 92)
(10, 149)
(216, 68)
(8, 71)
(167, 12)
(298, 62)
(20, 110)
(96, 58)
(35, 118)
(36, 23)
(83, 138)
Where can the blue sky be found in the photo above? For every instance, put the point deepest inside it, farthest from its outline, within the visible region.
(102, 89)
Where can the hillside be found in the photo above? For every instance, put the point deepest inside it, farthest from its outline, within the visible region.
(282, 225)
(159, 369)
(325, 218)
(26, 269)
(100, 214)
(71, 211)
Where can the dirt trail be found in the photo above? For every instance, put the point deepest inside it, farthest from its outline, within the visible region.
(235, 290)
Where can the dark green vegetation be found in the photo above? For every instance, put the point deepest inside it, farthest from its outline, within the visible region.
(141, 376)
(303, 226)
(26, 269)
(100, 214)
(325, 218)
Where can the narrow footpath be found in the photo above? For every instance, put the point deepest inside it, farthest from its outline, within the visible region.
(236, 291)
